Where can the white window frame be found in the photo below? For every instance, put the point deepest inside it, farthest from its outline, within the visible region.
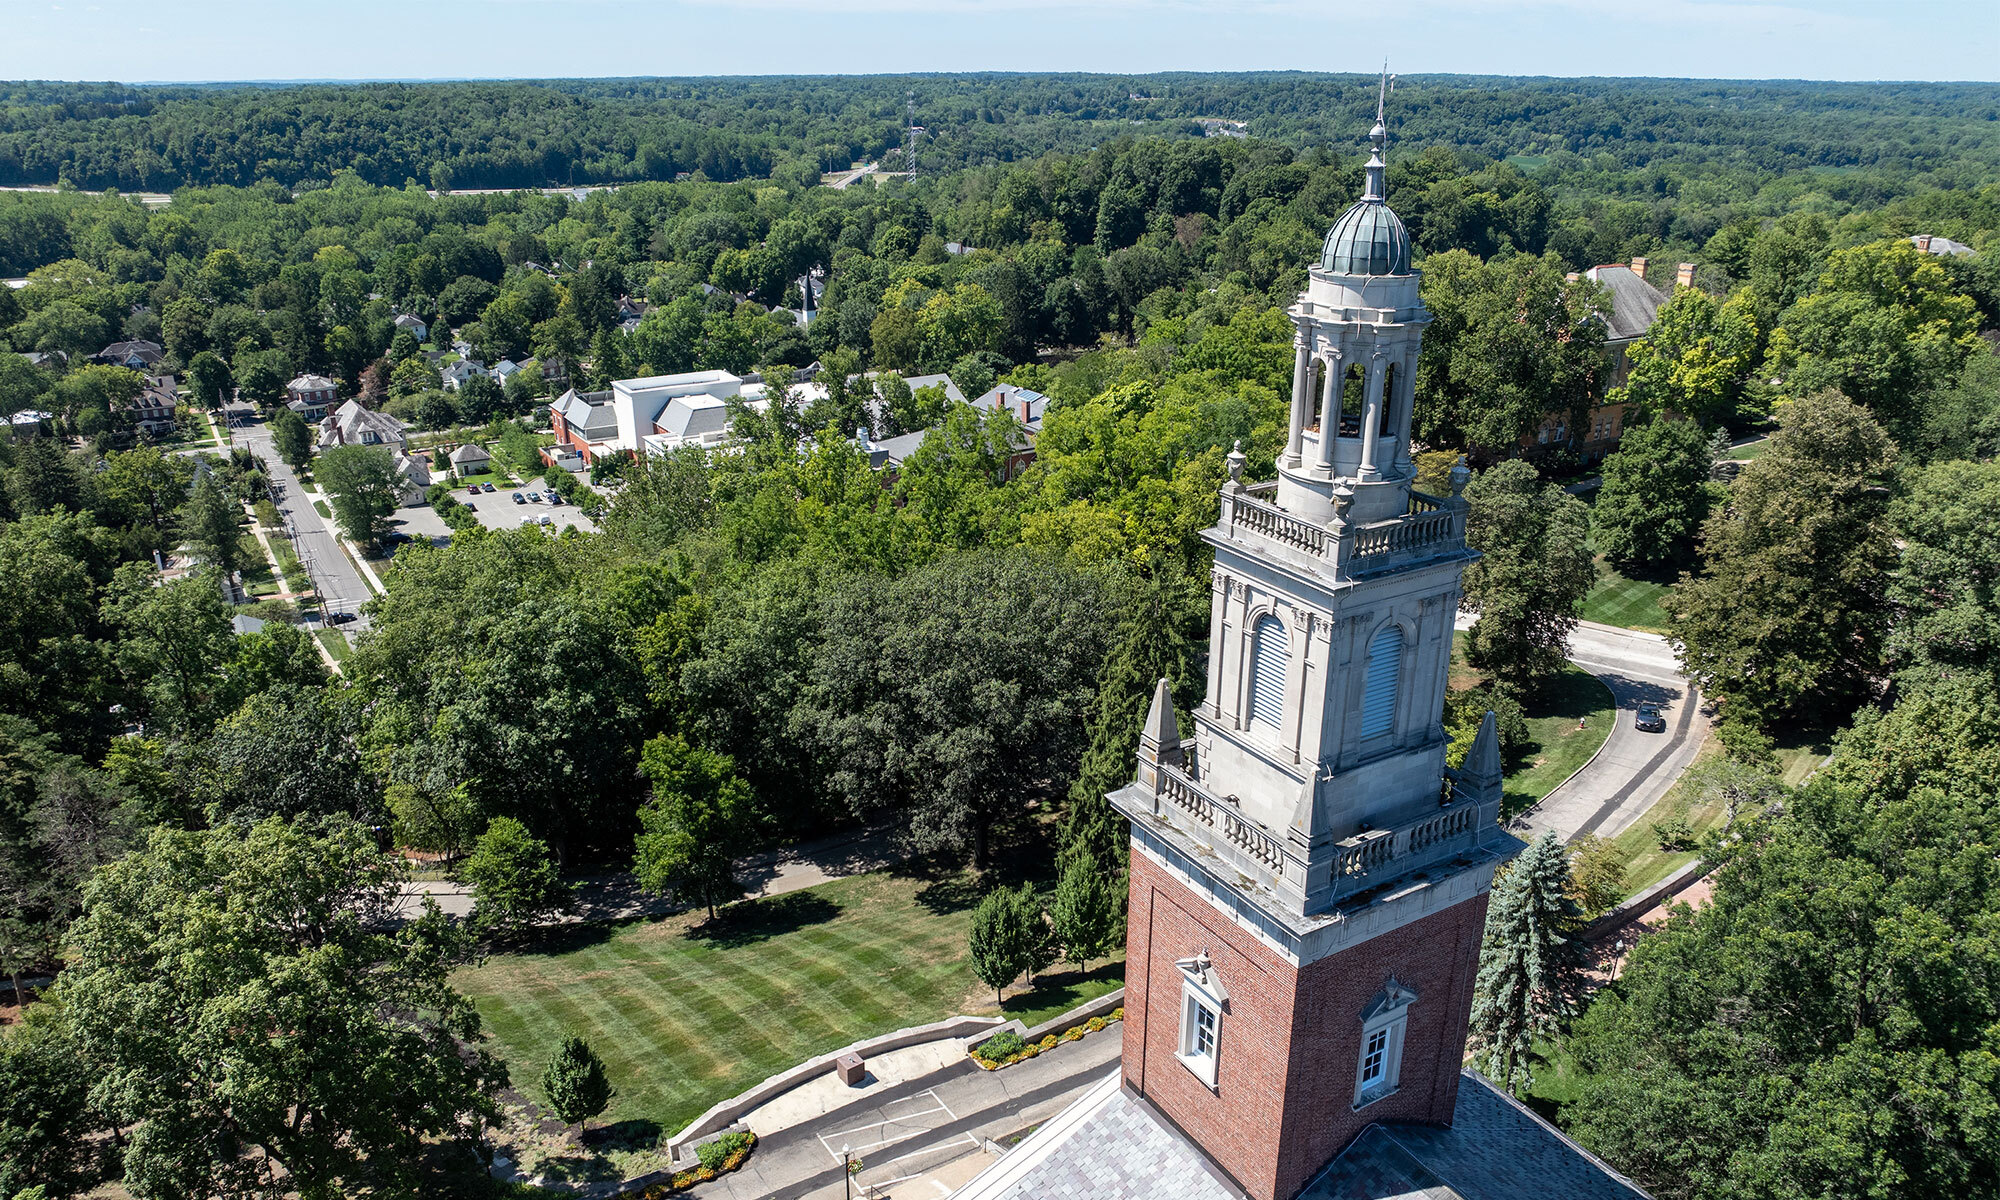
(1384, 1026)
(1202, 1002)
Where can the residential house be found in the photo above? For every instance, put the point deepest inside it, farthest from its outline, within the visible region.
(30, 422)
(415, 325)
(46, 358)
(151, 411)
(470, 459)
(310, 396)
(353, 425)
(1929, 243)
(504, 370)
(1634, 305)
(139, 355)
(555, 372)
(457, 372)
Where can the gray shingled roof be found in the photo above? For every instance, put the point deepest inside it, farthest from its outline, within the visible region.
(1495, 1150)
(1119, 1151)
(1634, 302)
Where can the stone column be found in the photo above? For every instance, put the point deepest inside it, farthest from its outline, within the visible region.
(1371, 414)
(1301, 400)
(1329, 406)
(1406, 407)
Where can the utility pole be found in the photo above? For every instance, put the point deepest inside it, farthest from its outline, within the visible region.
(910, 133)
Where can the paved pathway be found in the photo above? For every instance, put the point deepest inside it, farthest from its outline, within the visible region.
(924, 1137)
(767, 873)
(1633, 769)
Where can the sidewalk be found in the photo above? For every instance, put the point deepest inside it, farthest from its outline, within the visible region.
(766, 873)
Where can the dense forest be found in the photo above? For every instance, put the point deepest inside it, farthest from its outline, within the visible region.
(564, 132)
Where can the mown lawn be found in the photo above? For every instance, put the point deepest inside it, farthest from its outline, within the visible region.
(685, 1013)
(1645, 863)
(1626, 602)
(336, 644)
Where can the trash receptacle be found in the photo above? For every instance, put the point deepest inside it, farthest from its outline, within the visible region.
(851, 1069)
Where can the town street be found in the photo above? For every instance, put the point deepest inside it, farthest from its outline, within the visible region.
(335, 577)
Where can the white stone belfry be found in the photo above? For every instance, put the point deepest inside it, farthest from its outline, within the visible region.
(1316, 780)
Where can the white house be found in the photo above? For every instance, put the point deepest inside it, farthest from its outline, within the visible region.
(456, 373)
(504, 370)
(470, 459)
(353, 425)
(415, 325)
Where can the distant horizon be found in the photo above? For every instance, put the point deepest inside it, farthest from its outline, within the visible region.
(232, 42)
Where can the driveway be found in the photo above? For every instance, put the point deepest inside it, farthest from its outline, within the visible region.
(1632, 770)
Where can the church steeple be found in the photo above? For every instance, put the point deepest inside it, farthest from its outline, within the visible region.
(1308, 877)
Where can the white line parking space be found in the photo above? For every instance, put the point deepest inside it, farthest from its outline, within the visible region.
(898, 1121)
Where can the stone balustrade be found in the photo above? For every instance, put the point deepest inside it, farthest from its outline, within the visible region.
(1203, 812)
(1431, 525)
(1378, 854)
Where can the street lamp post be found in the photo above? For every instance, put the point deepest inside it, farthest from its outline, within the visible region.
(847, 1170)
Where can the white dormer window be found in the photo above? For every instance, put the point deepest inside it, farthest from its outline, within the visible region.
(1384, 1023)
(1202, 1002)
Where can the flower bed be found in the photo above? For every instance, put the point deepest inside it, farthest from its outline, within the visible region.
(718, 1158)
(1006, 1049)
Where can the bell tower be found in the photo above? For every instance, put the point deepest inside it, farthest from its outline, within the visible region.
(1309, 879)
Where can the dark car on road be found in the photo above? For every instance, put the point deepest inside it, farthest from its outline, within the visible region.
(339, 618)
(485, 487)
(1649, 720)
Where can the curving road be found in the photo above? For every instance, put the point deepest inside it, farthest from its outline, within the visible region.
(1633, 769)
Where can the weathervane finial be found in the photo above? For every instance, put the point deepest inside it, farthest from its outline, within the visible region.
(1382, 98)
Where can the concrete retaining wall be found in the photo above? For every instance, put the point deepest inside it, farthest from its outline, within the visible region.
(725, 1114)
(1646, 901)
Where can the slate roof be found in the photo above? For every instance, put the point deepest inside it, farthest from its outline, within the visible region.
(1495, 1150)
(919, 382)
(125, 352)
(1634, 302)
(1106, 1146)
(1111, 1146)
(693, 416)
(471, 452)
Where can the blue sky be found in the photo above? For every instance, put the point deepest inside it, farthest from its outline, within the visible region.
(418, 39)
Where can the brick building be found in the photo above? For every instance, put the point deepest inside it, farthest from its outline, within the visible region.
(1308, 878)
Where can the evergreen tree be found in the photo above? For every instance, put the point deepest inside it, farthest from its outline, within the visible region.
(212, 525)
(1085, 916)
(292, 437)
(574, 1084)
(1528, 966)
(1154, 646)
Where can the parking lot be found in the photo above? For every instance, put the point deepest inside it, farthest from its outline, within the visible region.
(497, 510)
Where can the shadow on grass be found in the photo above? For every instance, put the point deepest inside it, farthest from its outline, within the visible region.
(640, 1133)
(1058, 991)
(751, 921)
(578, 1168)
(558, 939)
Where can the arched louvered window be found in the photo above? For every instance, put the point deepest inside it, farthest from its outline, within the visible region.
(1270, 652)
(1385, 670)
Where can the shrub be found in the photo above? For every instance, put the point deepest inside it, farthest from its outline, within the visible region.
(1003, 1045)
(1675, 833)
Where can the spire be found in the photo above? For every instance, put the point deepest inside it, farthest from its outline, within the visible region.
(1482, 762)
(1161, 729)
(1377, 189)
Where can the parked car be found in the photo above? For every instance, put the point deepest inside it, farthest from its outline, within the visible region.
(519, 498)
(547, 520)
(339, 618)
(1649, 720)
(486, 487)
(472, 489)
(555, 498)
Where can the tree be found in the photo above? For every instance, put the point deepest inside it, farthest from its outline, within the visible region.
(1884, 327)
(174, 641)
(45, 1115)
(210, 380)
(1596, 874)
(292, 437)
(574, 1083)
(955, 691)
(212, 525)
(1945, 591)
(514, 878)
(1086, 912)
(1655, 495)
(696, 822)
(361, 482)
(290, 752)
(1532, 578)
(1008, 937)
(1528, 964)
(1788, 613)
(1510, 342)
(1694, 359)
(300, 1024)
(1821, 1026)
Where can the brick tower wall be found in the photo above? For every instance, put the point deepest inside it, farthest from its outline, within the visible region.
(1291, 1039)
